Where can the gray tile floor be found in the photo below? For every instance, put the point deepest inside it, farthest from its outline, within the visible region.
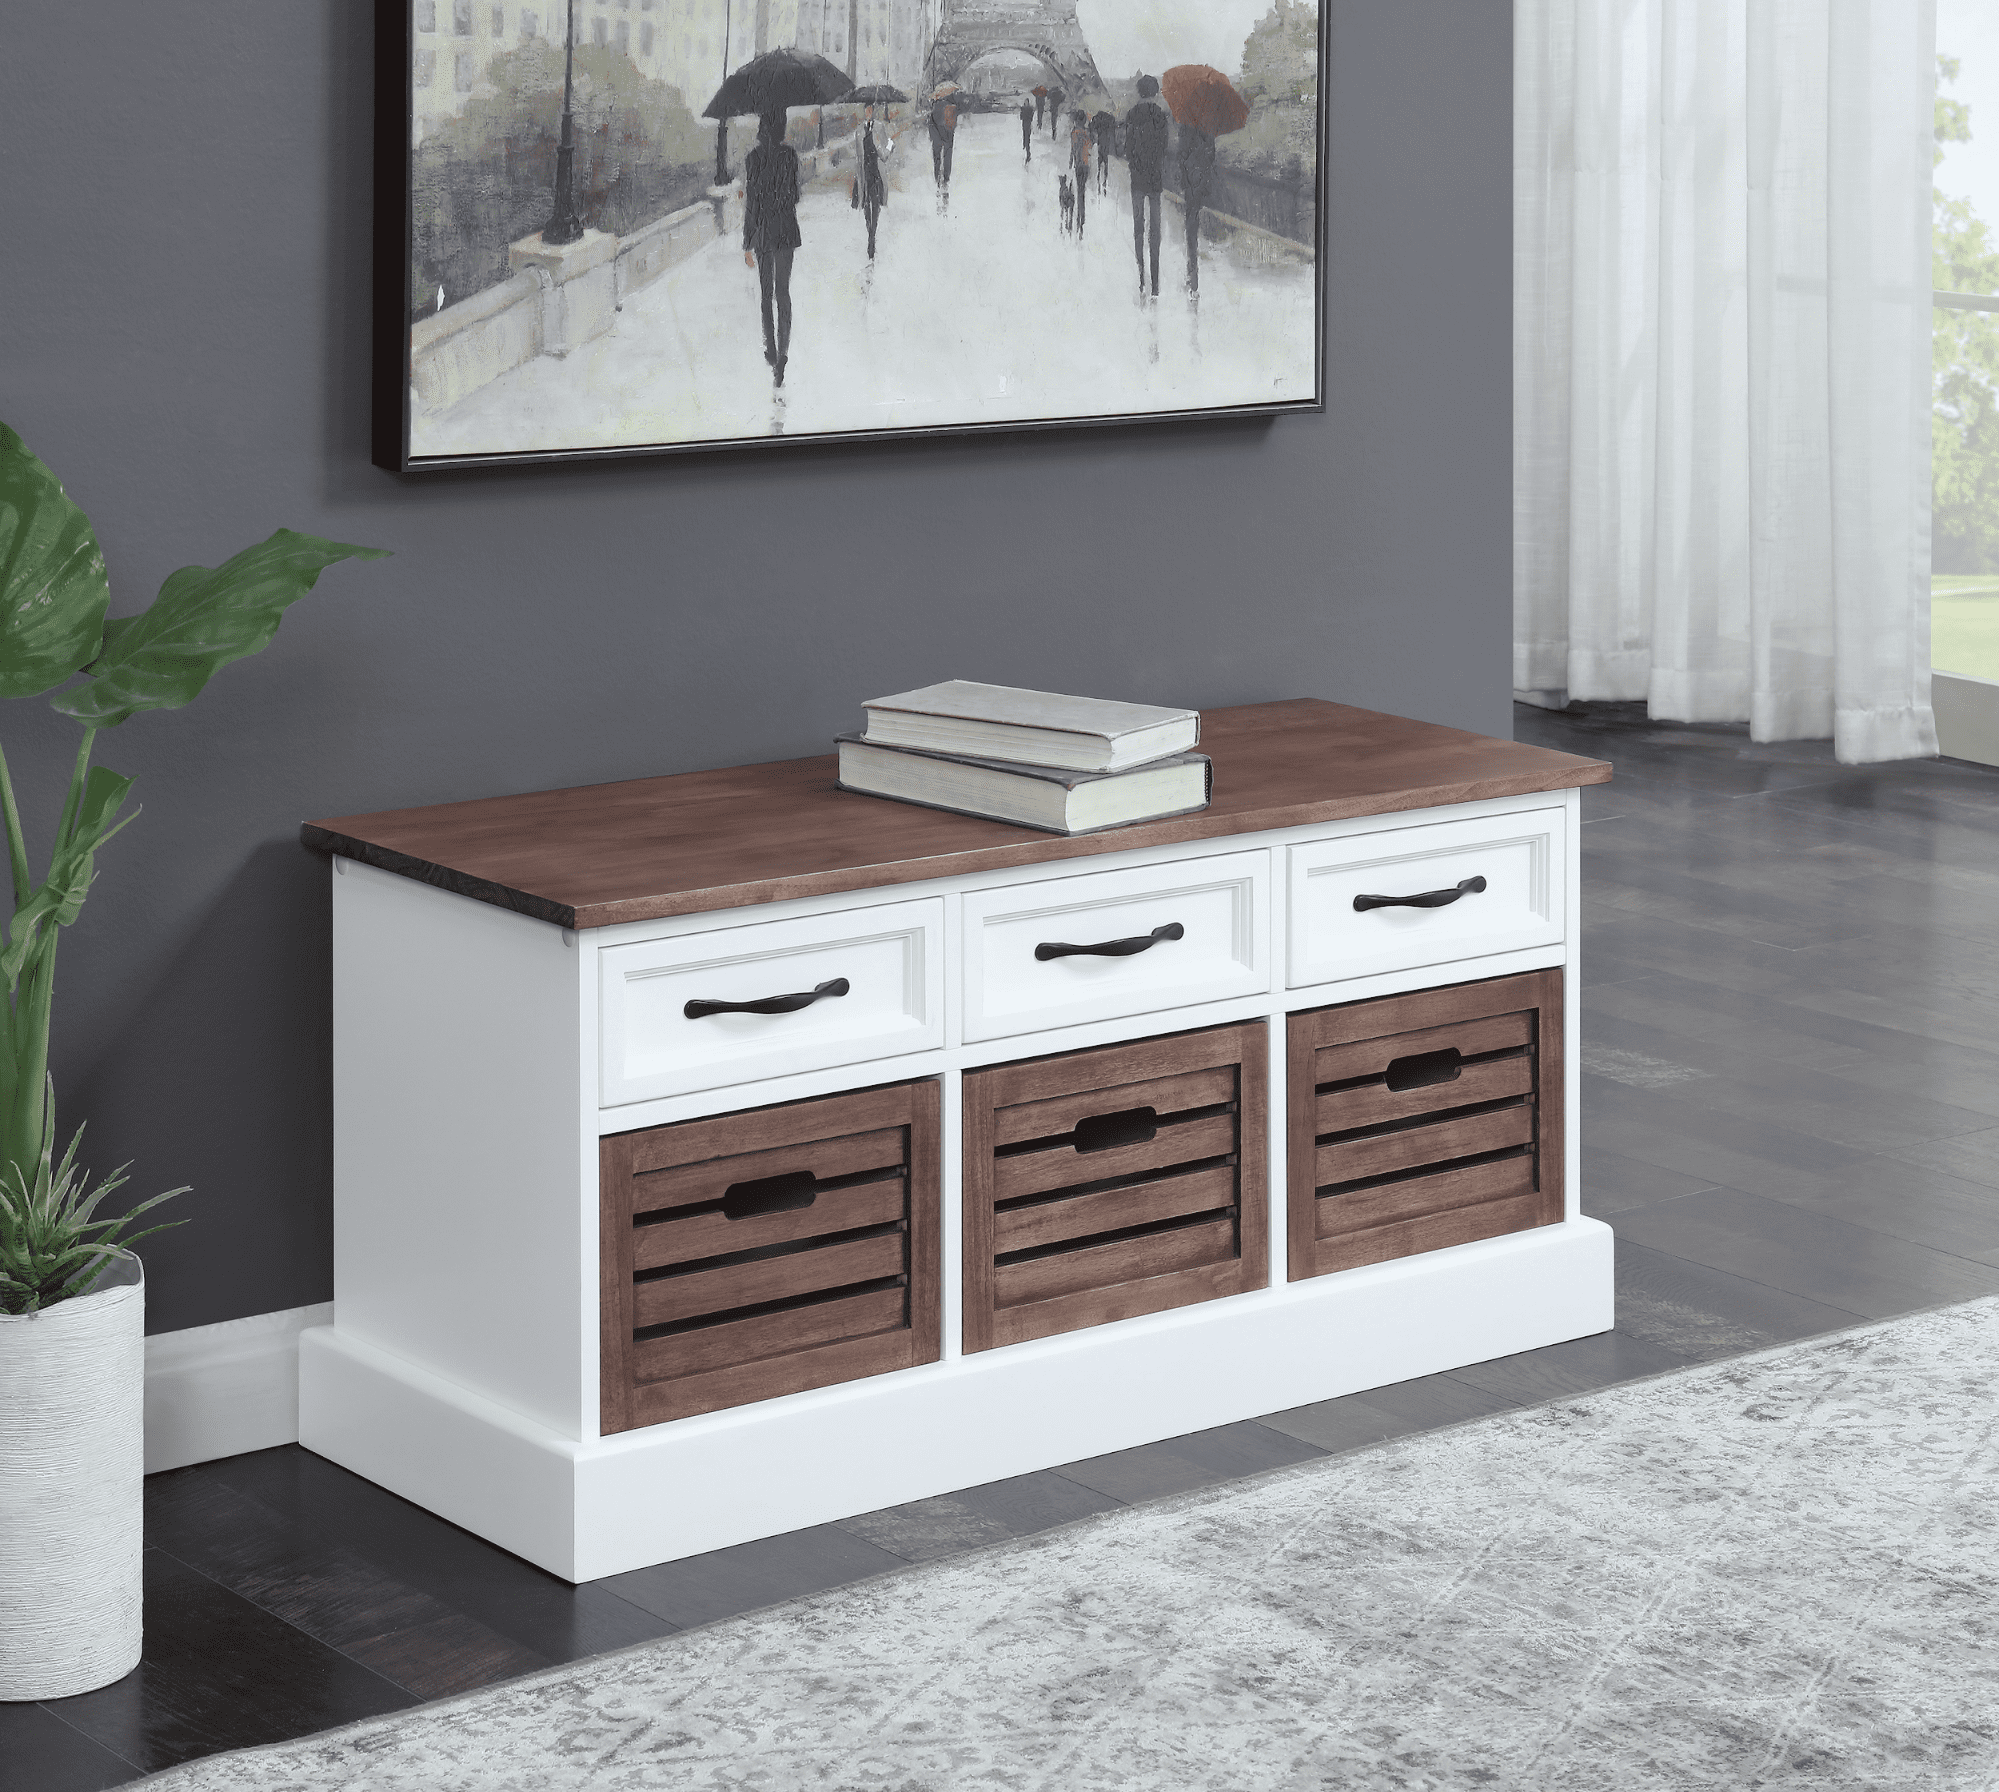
(1790, 1116)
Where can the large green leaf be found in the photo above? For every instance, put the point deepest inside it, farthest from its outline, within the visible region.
(52, 584)
(203, 618)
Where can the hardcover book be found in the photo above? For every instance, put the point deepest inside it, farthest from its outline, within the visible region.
(996, 721)
(1033, 796)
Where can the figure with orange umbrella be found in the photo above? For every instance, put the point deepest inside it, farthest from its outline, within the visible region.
(1147, 130)
(1205, 105)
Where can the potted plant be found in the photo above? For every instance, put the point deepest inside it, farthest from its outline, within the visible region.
(72, 1296)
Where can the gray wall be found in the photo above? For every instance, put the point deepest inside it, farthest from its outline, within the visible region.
(184, 338)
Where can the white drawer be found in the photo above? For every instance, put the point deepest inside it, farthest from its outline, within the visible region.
(1016, 981)
(890, 958)
(1519, 857)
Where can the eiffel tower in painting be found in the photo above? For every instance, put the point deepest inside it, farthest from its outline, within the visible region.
(1044, 29)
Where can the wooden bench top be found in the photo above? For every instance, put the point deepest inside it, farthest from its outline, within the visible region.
(605, 854)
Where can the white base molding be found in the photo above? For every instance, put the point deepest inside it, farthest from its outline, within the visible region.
(587, 1509)
(221, 1390)
(1967, 712)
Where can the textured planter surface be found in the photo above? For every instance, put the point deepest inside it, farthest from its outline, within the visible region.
(72, 1458)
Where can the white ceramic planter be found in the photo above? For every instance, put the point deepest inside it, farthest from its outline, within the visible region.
(72, 1461)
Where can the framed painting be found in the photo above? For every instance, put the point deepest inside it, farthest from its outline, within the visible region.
(611, 227)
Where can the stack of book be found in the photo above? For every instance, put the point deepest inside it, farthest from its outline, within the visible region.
(1069, 765)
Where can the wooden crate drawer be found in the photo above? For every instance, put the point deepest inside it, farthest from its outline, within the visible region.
(1104, 1184)
(1404, 897)
(773, 998)
(764, 1253)
(1424, 1120)
(1069, 950)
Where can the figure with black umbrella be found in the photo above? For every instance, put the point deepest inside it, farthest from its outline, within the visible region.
(770, 231)
(1146, 132)
(767, 86)
(1056, 101)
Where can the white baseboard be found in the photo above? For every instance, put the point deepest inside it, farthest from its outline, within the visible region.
(219, 1390)
(1967, 711)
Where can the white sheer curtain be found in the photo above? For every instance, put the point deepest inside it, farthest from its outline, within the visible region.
(1722, 352)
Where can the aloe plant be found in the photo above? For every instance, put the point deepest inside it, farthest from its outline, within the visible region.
(55, 642)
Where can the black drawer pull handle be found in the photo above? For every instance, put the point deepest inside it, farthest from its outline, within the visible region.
(1111, 948)
(770, 1004)
(1429, 899)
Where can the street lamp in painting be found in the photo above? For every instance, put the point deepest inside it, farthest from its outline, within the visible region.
(565, 226)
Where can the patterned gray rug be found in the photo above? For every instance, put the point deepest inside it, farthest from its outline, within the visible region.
(1779, 1571)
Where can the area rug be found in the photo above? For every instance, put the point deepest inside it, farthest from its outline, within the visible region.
(1779, 1571)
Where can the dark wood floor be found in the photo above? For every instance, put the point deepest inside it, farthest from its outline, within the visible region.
(1791, 1118)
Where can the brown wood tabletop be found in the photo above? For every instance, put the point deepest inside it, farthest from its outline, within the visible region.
(700, 841)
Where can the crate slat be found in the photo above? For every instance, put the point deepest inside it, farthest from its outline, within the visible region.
(789, 1277)
(767, 1129)
(667, 1242)
(1432, 1232)
(1037, 1172)
(1370, 1057)
(1356, 1210)
(1439, 1144)
(1374, 1104)
(1165, 1095)
(689, 1185)
(739, 1342)
(1112, 1210)
(1129, 1260)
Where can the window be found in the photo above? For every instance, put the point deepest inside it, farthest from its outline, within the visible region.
(426, 15)
(461, 17)
(464, 71)
(426, 67)
(645, 38)
(625, 36)
(499, 21)
(600, 32)
(1964, 552)
(530, 25)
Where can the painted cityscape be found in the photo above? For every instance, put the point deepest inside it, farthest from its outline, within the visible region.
(650, 224)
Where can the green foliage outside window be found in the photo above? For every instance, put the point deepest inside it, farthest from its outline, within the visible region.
(1965, 370)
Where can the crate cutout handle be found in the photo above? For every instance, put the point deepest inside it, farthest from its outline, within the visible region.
(1425, 1070)
(789, 1193)
(1471, 886)
(835, 986)
(1106, 1132)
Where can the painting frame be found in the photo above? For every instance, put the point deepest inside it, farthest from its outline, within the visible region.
(394, 404)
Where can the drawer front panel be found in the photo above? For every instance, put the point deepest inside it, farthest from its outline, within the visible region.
(763, 1253)
(1101, 1185)
(1218, 905)
(889, 959)
(1423, 1121)
(1492, 885)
